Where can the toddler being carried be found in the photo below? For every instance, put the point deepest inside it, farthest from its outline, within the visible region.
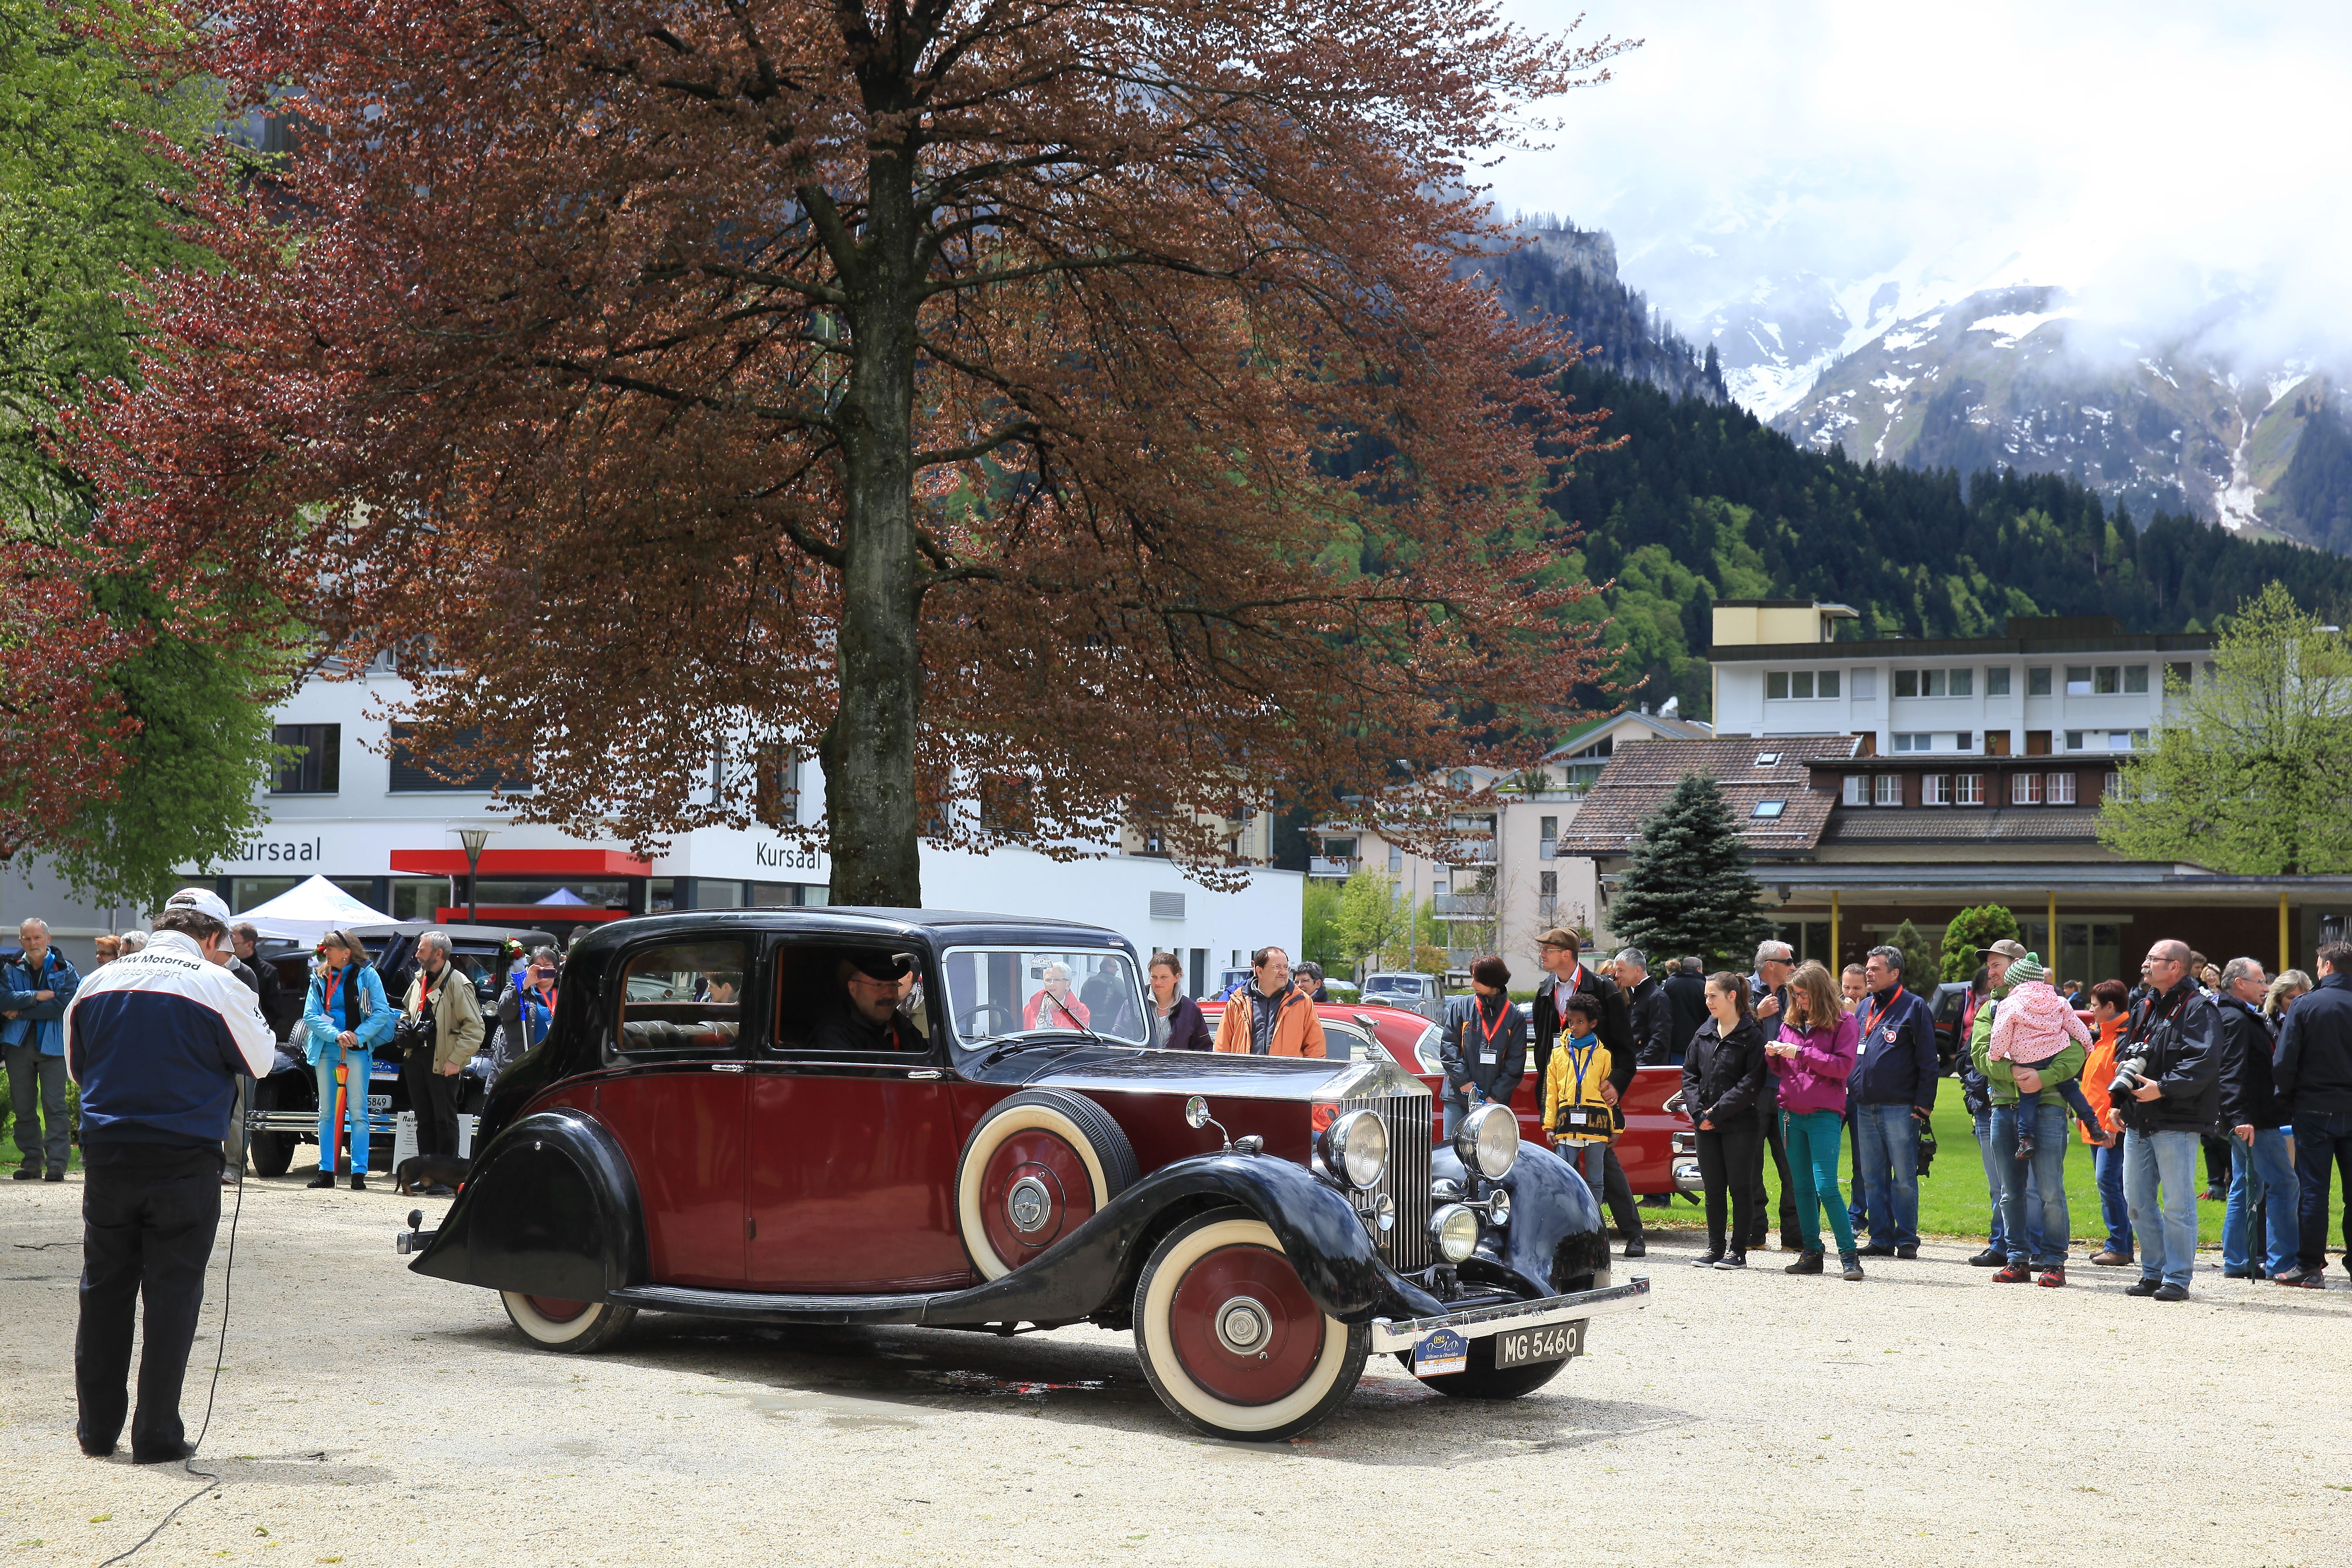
(2031, 1025)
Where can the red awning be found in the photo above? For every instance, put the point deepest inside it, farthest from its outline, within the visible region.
(511, 863)
(527, 915)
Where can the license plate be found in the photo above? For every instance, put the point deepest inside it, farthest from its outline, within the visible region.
(1553, 1342)
(1441, 1351)
(379, 1102)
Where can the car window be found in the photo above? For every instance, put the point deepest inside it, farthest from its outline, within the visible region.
(835, 999)
(1345, 1043)
(685, 997)
(993, 994)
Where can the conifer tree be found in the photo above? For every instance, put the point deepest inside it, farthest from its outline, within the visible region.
(1688, 888)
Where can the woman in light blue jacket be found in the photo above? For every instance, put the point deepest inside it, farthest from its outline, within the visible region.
(344, 1019)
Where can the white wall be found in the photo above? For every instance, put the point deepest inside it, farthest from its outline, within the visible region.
(1743, 708)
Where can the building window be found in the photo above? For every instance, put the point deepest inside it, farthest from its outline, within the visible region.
(1768, 809)
(2061, 791)
(1907, 683)
(2037, 681)
(1547, 886)
(410, 776)
(1936, 789)
(2135, 677)
(1865, 685)
(1997, 680)
(318, 767)
(1800, 683)
(2025, 789)
(1550, 848)
(1964, 682)
(1396, 859)
(2073, 740)
(1776, 684)
(1965, 741)
(1827, 683)
(1913, 741)
(2078, 680)
(1857, 789)
(2177, 675)
(776, 787)
(1968, 789)
(1887, 790)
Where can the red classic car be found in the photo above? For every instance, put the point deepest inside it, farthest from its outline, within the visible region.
(1657, 1147)
(840, 1116)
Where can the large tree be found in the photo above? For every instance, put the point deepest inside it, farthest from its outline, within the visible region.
(2247, 775)
(1687, 886)
(941, 385)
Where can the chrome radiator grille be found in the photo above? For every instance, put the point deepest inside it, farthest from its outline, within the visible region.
(1407, 1117)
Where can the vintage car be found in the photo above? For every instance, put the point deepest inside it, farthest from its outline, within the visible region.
(740, 1115)
(1657, 1147)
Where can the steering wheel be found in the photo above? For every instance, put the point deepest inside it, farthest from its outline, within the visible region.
(970, 1027)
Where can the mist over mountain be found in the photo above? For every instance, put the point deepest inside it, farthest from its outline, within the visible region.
(1571, 274)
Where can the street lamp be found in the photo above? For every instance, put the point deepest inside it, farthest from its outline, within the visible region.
(473, 838)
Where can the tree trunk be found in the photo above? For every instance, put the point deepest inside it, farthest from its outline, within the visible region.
(868, 750)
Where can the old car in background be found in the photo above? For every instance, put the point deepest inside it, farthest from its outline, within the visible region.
(844, 1116)
(284, 1111)
(1419, 993)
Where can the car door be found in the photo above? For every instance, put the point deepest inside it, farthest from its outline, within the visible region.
(674, 1095)
(852, 1151)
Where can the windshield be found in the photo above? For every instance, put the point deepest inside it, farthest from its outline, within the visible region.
(999, 993)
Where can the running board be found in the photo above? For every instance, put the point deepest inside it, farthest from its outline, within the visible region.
(760, 1307)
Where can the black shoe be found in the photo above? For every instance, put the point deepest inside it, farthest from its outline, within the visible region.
(2172, 1292)
(359, 1182)
(1807, 1262)
(2215, 1195)
(1707, 1261)
(1988, 1258)
(170, 1455)
(2143, 1285)
(2243, 1274)
(1734, 1260)
(1906, 1252)
(1852, 1264)
(1634, 1249)
(324, 1179)
(28, 1173)
(440, 1189)
(55, 1176)
(96, 1450)
(1875, 1250)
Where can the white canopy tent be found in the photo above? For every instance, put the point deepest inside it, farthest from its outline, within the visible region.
(308, 911)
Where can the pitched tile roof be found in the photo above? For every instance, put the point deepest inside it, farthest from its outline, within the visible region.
(1640, 777)
(1965, 825)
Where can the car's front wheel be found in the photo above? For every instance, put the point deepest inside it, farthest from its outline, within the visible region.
(575, 1328)
(1230, 1339)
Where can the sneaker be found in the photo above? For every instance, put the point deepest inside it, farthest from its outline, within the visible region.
(2294, 1274)
(2016, 1273)
(359, 1182)
(2214, 1196)
(2054, 1276)
(1707, 1261)
(2025, 1147)
(1853, 1264)
(1875, 1250)
(1988, 1258)
(1733, 1260)
(1906, 1252)
(324, 1179)
(2111, 1258)
(2317, 1280)
(2171, 1292)
(1809, 1263)
(1634, 1249)
(2146, 1285)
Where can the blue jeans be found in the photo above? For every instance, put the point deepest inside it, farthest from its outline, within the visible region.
(2168, 1230)
(2107, 1166)
(1815, 1139)
(1889, 1175)
(2046, 1223)
(2322, 1142)
(1997, 1234)
(2261, 1173)
(355, 1153)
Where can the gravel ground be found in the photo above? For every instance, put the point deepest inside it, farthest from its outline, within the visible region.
(368, 1416)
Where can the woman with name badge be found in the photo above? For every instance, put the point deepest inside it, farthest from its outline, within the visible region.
(1483, 1049)
(344, 1019)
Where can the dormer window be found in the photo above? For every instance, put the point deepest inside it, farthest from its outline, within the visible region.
(1768, 809)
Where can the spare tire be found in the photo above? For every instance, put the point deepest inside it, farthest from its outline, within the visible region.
(1039, 1165)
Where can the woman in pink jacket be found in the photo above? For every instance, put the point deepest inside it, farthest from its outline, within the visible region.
(1813, 1059)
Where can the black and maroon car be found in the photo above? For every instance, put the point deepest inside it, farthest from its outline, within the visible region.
(720, 1124)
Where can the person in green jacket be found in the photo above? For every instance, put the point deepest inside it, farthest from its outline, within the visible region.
(2025, 1097)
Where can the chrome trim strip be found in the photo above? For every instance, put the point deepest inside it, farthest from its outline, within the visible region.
(1388, 1334)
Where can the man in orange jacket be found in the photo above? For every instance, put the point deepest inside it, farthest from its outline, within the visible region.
(1270, 1016)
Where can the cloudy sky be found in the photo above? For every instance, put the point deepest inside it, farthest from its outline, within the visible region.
(2152, 155)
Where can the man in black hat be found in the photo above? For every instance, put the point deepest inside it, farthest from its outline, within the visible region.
(867, 1018)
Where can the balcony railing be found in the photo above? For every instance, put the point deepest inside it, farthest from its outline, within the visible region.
(1465, 906)
(1331, 866)
(1469, 852)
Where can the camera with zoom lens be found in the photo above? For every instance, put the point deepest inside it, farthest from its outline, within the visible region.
(2130, 1073)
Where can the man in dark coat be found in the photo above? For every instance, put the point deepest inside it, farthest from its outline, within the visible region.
(2175, 1037)
(1889, 1096)
(1768, 991)
(2263, 1189)
(2312, 1074)
(1560, 952)
(1686, 991)
(1648, 1011)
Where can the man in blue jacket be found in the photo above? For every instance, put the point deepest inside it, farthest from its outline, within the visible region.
(34, 991)
(1891, 1093)
(2312, 1075)
(156, 1040)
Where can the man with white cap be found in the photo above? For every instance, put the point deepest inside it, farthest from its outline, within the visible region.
(155, 1039)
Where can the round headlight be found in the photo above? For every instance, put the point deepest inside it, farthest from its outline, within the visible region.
(1456, 1230)
(1356, 1148)
(1489, 1141)
(1498, 1207)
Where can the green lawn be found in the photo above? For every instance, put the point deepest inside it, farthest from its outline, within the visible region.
(1952, 1197)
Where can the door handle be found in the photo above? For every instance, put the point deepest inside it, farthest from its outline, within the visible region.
(927, 1072)
(727, 1067)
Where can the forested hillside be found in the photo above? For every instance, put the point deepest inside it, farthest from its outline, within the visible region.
(1702, 503)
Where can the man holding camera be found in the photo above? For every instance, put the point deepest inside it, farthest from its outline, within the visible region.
(2166, 1091)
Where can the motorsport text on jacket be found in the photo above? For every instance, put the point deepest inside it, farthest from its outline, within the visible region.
(155, 1039)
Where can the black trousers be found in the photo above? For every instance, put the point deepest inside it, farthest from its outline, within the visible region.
(1730, 1160)
(1617, 1194)
(434, 1099)
(150, 1212)
(1768, 1125)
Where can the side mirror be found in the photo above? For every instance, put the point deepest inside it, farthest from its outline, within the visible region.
(1196, 1113)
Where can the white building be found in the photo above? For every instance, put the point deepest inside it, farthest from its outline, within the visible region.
(355, 810)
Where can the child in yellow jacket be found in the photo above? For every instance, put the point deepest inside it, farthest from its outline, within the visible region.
(1576, 1118)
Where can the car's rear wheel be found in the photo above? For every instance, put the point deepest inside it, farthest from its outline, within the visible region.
(1482, 1379)
(575, 1328)
(1039, 1165)
(1231, 1340)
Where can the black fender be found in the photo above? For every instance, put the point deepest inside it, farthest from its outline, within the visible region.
(550, 1208)
(1083, 1274)
(1556, 1242)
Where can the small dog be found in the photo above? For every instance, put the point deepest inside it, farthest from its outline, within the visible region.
(431, 1175)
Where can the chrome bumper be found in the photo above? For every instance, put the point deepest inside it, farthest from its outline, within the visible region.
(1480, 1322)
(1687, 1177)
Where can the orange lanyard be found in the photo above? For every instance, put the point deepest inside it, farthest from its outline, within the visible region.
(1875, 1018)
(1491, 1028)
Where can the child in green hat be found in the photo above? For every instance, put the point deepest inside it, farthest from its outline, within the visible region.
(2034, 1024)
